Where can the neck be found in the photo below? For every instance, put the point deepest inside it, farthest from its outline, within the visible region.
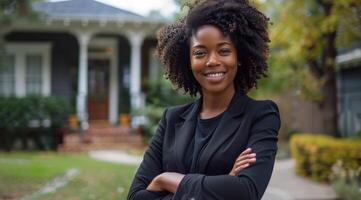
(215, 103)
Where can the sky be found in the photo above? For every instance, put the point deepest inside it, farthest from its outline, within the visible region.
(143, 7)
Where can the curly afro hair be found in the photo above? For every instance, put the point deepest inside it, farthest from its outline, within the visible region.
(243, 23)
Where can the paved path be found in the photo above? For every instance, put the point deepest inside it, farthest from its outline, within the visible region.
(284, 184)
(115, 157)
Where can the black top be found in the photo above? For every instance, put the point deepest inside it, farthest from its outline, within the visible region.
(246, 123)
(204, 131)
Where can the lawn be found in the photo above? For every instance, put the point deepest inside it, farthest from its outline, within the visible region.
(22, 174)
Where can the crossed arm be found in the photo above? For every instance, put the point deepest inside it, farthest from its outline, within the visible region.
(169, 181)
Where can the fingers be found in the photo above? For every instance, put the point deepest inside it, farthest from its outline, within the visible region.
(247, 151)
(244, 161)
(239, 168)
(245, 157)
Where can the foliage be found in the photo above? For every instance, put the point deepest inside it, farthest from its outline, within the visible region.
(346, 183)
(153, 115)
(23, 173)
(11, 11)
(300, 28)
(38, 117)
(357, 134)
(316, 154)
(160, 95)
(306, 36)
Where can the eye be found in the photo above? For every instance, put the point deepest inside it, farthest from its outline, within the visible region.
(199, 53)
(224, 51)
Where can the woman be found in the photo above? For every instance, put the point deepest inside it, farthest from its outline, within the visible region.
(223, 145)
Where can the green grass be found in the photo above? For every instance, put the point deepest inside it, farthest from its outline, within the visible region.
(24, 173)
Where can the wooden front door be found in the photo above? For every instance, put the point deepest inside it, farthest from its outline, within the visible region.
(98, 89)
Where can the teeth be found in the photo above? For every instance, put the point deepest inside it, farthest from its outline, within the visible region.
(215, 74)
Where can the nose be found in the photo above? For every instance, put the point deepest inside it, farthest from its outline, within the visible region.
(212, 60)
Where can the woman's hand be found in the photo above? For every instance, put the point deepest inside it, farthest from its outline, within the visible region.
(244, 160)
(155, 185)
(167, 181)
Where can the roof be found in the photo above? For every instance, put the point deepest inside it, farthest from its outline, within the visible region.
(350, 56)
(84, 9)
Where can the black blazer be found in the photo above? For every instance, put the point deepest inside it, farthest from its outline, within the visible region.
(246, 123)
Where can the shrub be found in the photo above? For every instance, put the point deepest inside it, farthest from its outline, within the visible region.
(160, 95)
(346, 183)
(153, 114)
(316, 154)
(35, 117)
(357, 134)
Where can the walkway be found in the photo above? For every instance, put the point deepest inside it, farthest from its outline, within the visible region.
(284, 184)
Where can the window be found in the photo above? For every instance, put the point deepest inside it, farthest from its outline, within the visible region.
(29, 71)
(7, 76)
(33, 74)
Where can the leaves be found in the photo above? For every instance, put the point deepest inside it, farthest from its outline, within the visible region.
(302, 33)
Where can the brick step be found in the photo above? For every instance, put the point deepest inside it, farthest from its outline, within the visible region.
(111, 130)
(101, 136)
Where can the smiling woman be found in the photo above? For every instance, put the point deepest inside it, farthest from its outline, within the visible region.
(223, 145)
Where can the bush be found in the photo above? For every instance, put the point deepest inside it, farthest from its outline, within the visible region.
(160, 95)
(38, 118)
(346, 183)
(357, 134)
(316, 154)
(153, 114)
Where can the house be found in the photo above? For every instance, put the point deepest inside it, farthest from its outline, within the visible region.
(349, 89)
(95, 55)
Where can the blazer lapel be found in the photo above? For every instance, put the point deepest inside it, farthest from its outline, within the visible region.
(226, 128)
(184, 133)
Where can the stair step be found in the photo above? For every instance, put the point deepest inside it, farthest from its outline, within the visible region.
(103, 137)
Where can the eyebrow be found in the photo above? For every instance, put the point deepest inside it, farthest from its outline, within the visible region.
(203, 46)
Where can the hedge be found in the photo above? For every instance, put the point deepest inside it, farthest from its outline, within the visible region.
(316, 154)
(33, 117)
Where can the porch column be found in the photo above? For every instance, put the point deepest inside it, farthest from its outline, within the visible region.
(136, 40)
(83, 39)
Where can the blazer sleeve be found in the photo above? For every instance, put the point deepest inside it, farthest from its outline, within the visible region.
(150, 167)
(251, 182)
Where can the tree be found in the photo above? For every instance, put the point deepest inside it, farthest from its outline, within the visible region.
(308, 33)
(11, 11)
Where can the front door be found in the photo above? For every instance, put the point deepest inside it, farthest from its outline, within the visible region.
(98, 89)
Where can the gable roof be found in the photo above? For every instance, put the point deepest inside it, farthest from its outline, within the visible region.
(84, 9)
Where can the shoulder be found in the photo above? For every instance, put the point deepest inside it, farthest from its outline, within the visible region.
(173, 113)
(258, 110)
(261, 106)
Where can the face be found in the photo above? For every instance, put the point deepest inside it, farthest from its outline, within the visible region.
(213, 60)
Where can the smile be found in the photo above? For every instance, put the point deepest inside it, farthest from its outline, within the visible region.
(215, 77)
(215, 74)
